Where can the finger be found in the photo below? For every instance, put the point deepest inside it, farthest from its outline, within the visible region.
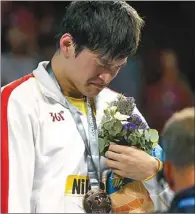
(113, 155)
(121, 149)
(113, 164)
(117, 148)
(119, 172)
(134, 147)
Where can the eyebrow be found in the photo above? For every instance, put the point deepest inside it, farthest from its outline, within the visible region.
(106, 62)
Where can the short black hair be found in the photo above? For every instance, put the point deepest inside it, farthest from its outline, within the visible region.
(110, 28)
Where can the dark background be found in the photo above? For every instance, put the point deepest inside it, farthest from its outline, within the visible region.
(168, 35)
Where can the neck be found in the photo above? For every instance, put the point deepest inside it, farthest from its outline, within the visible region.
(67, 86)
(184, 179)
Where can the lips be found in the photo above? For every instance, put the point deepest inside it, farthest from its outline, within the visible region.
(99, 85)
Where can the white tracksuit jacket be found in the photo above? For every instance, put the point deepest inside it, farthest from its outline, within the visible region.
(42, 150)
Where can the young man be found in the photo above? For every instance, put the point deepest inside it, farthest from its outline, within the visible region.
(45, 118)
(179, 146)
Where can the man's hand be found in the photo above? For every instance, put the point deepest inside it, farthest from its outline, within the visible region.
(130, 162)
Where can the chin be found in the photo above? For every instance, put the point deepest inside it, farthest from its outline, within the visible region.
(93, 93)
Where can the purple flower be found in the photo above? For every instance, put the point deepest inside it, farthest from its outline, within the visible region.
(130, 126)
(126, 127)
(135, 118)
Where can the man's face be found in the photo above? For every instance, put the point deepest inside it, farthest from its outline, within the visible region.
(90, 73)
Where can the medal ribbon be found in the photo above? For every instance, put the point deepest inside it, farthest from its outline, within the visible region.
(91, 145)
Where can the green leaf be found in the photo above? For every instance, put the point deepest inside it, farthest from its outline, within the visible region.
(137, 133)
(147, 135)
(112, 113)
(116, 128)
(154, 144)
(142, 142)
(107, 142)
(106, 112)
(108, 125)
(102, 145)
(123, 133)
(154, 137)
(141, 131)
(132, 140)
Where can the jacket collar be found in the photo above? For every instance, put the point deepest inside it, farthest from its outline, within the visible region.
(50, 88)
(47, 85)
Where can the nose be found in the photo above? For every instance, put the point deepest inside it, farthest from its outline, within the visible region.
(107, 77)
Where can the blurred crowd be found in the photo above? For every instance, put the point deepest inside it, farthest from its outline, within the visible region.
(154, 76)
(28, 33)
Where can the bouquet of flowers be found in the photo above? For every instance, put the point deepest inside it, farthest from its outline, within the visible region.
(120, 125)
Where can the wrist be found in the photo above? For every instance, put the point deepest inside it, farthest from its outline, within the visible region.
(156, 166)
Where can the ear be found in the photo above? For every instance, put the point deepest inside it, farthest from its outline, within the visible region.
(168, 172)
(66, 45)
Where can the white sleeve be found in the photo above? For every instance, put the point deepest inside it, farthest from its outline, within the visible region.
(161, 197)
(18, 156)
